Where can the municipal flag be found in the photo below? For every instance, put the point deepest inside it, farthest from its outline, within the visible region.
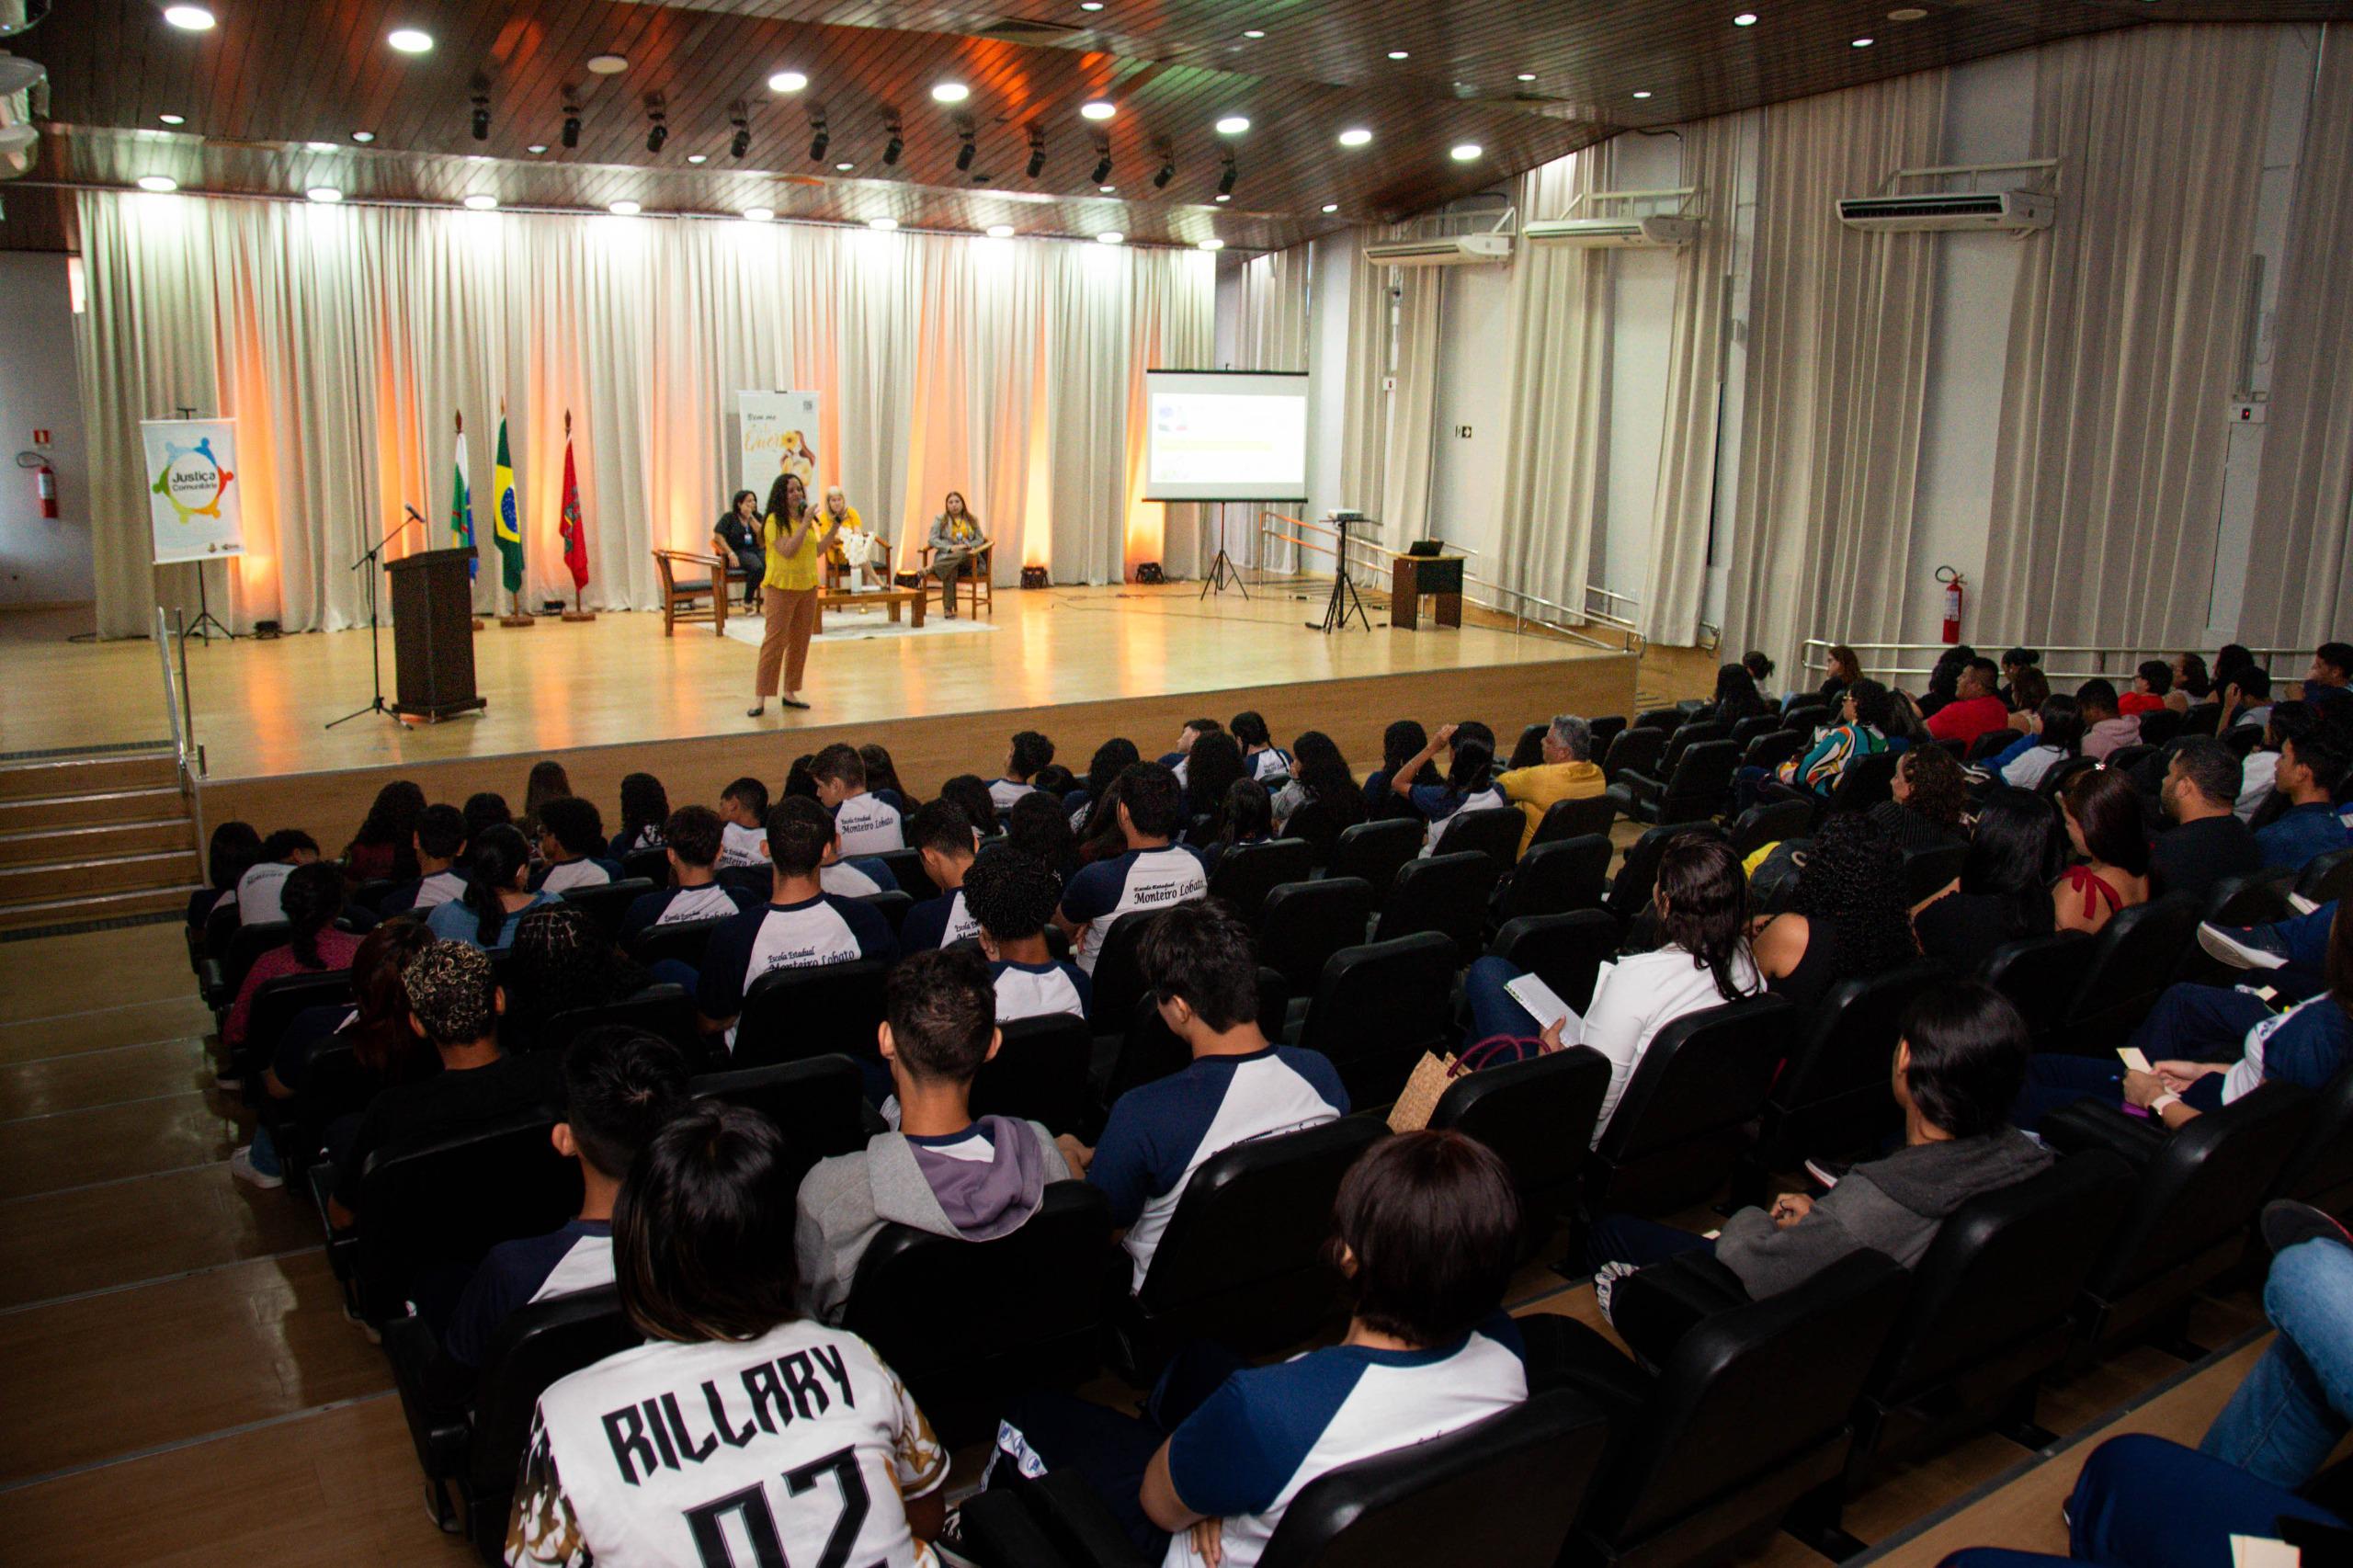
(461, 506)
(507, 526)
(572, 528)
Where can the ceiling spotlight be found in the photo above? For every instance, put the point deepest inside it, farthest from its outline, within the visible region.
(1037, 164)
(823, 139)
(1254, 32)
(624, 209)
(896, 145)
(1355, 136)
(787, 82)
(1528, 75)
(323, 194)
(481, 201)
(1463, 151)
(1106, 190)
(172, 118)
(1223, 196)
(1746, 19)
(1860, 43)
(1331, 207)
(1112, 237)
(1097, 109)
(950, 92)
(571, 137)
(844, 166)
(363, 137)
(1167, 170)
(759, 215)
(188, 18)
(883, 225)
(1102, 163)
(1000, 231)
(482, 117)
(1090, 4)
(1209, 244)
(1234, 125)
(320, 146)
(1399, 54)
(608, 65)
(964, 153)
(1225, 180)
(159, 184)
(740, 143)
(1643, 94)
(409, 41)
(656, 134)
(536, 148)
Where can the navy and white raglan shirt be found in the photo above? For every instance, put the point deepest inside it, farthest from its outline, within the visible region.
(588, 871)
(648, 837)
(868, 825)
(1268, 1431)
(821, 930)
(1441, 803)
(1005, 792)
(1160, 1132)
(1140, 880)
(797, 1447)
(577, 1258)
(673, 906)
(424, 894)
(741, 846)
(1272, 763)
(857, 879)
(935, 922)
(1040, 990)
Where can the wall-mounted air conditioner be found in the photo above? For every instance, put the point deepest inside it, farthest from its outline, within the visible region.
(1454, 250)
(1933, 211)
(1627, 234)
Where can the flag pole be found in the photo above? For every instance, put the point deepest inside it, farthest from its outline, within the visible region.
(502, 494)
(457, 417)
(574, 539)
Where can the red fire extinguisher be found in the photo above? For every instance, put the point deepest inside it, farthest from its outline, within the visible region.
(1954, 583)
(45, 483)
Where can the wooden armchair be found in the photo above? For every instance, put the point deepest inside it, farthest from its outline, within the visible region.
(687, 577)
(974, 581)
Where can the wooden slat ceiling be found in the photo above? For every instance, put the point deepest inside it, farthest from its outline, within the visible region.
(272, 95)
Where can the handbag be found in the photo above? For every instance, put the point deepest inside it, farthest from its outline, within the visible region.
(1433, 1074)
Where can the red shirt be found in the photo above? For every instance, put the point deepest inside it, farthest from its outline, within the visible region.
(2134, 702)
(1965, 719)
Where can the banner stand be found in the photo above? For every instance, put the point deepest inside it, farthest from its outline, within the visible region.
(206, 623)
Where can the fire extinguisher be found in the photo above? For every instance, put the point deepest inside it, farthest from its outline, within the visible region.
(1953, 583)
(45, 484)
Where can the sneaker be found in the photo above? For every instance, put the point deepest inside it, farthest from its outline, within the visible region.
(1605, 1281)
(242, 1166)
(2287, 1222)
(2242, 947)
(2301, 904)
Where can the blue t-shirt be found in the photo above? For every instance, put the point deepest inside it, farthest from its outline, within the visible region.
(1040, 990)
(2300, 833)
(1139, 880)
(1160, 1132)
(514, 1274)
(455, 921)
(1268, 1431)
(674, 906)
(935, 922)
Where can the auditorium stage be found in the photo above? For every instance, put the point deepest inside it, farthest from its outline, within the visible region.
(614, 696)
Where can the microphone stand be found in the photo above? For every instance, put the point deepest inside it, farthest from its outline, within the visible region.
(375, 642)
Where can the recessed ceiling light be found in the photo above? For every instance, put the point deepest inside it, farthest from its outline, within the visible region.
(172, 118)
(363, 137)
(787, 82)
(1209, 244)
(698, 157)
(1234, 125)
(1090, 4)
(758, 214)
(1106, 190)
(1355, 136)
(481, 201)
(1331, 207)
(188, 18)
(950, 92)
(884, 224)
(845, 166)
(1463, 151)
(323, 194)
(1000, 231)
(409, 41)
(1746, 19)
(1528, 75)
(1860, 43)
(1400, 55)
(608, 65)
(536, 148)
(1223, 195)
(1112, 237)
(1097, 109)
(159, 184)
(1643, 94)
(320, 146)
(1254, 32)
(1906, 14)
(624, 209)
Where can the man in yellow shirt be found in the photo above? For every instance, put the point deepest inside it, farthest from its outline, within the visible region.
(1567, 773)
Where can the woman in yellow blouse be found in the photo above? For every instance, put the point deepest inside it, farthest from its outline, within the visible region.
(795, 537)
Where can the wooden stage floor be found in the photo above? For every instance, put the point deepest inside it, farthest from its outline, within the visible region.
(613, 695)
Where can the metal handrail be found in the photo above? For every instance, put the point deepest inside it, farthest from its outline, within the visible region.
(1813, 652)
(177, 709)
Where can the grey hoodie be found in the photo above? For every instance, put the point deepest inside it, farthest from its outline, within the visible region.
(846, 1201)
(1894, 1204)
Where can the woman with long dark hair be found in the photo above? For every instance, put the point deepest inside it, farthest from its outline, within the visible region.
(1265, 760)
(311, 897)
(882, 780)
(1210, 769)
(1469, 783)
(1319, 776)
(1400, 743)
(2191, 686)
(1929, 800)
(548, 782)
(229, 853)
(736, 536)
(2053, 733)
(385, 846)
(2004, 892)
(795, 540)
(561, 961)
(1847, 921)
(646, 806)
(1737, 696)
(1247, 817)
(2104, 819)
(497, 892)
(957, 540)
(1086, 804)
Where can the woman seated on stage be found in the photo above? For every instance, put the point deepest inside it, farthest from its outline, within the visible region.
(736, 536)
(866, 556)
(957, 540)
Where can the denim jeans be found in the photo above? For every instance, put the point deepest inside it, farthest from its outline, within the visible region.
(2292, 1409)
(2053, 1080)
(1493, 1009)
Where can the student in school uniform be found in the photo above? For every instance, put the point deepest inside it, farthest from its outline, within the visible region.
(868, 824)
(233, 848)
(496, 896)
(1029, 754)
(440, 848)
(1012, 896)
(861, 878)
(1267, 762)
(1153, 873)
(800, 926)
(572, 843)
(690, 837)
(1469, 784)
(258, 889)
(743, 816)
(945, 838)
(646, 806)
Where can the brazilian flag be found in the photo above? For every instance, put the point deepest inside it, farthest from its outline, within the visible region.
(507, 529)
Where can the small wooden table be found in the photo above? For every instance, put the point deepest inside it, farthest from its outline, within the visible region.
(891, 598)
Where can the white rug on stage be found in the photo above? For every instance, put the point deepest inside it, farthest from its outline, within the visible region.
(854, 625)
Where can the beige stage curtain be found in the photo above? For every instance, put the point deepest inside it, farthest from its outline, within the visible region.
(1270, 333)
(2125, 337)
(1555, 491)
(1839, 334)
(1674, 581)
(2299, 579)
(1412, 454)
(345, 339)
(1364, 415)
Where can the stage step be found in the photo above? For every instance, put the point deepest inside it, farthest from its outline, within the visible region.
(40, 846)
(102, 809)
(102, 906)
(55, 879)
(88, 773)
(95, 835)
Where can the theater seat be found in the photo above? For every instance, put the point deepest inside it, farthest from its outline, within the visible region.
(1376, 851)
(2320, 1172)
(1539, 1115)
(1553, 878)
(1770, 821)
(1927, 870)
(2131, 958)
(1565, 951)
(683, 941)
(1833, 1099)
(1630, 890)
(1575, 818)
(892, 904)
(1377, 1007)
(2258, 898)
(2039, 974)
(2326, 877)
(607, 903)
(1150, 1050)
(1748, 1416)
(818, 1103)
(818, 1010)
(906, 870)
(1693, 789)
(246, 943)
(1305, 923)
(1118, 978)
(276, 1003)
(1247, 872)
(1241, 1261)
(1503, 1491)
(1027, 1309)
(1494, 830)
(1446, 894)
(1682, 1120)
(664, 1011)
(652, 865)
(1038, 1072)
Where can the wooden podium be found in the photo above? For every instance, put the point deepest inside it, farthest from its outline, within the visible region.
(433, 635)
(1439, 577)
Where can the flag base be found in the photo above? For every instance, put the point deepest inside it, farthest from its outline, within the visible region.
(515, 621)
(580, 615)
(477, 623)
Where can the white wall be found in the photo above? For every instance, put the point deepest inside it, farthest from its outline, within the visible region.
(42, 561)
(1473, 392)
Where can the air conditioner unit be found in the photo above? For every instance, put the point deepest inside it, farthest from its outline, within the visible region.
(1928, 212)
(1628, 233)
(1455, 250)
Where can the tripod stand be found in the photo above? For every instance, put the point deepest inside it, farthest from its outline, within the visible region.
(1344, 601)
(1222, 571)
(375, 643)
(206, 623)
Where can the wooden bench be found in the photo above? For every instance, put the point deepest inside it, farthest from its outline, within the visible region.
(891, 598)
